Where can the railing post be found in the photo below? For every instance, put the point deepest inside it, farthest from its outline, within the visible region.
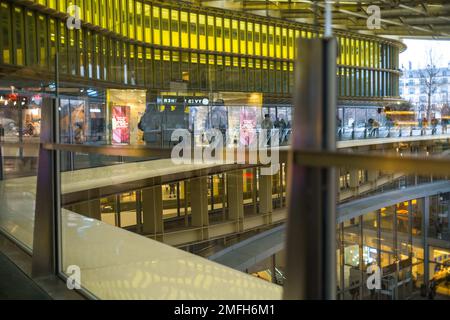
(1, 161)
(45, 244)
(426, 251)
(311, 226)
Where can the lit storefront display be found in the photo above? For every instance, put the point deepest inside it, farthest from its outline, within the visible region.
(120, 125)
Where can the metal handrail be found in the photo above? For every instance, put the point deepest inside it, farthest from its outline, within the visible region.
(404, 164)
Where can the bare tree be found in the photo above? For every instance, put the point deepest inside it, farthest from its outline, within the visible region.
(429, 78)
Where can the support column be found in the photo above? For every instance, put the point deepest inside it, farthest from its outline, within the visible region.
(448, 217)
(254, 191)
(90, 209)
(235, 198)
(311, 225)
(1, 160)
(199, 204)
(426, 253)
(139, 211)
(265, 197)
(354, 180)
(152, 210)
(372, 175)
(342, 260)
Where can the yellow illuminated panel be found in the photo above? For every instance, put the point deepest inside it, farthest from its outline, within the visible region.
(139, 21)
(227, 61)
(219, 34)
(193, 30)
(264, 40)
(250, 38)
(110, 22)
(147, 23)
(235, 35)
(242, 37)
(278, 41)
(211, 34)
(165, 27)
(271, 37)
(117, 16)
(227, 35)
(124, 19)
(257, 39)
(284, 43)
(103, 13)
(202, 31)
(131, 30)
(291, 44)
(175, 28)
(96, 12)
(166, 55)
(156, 26)
(52, 4)
(62, 6)
(88, 12)
(203, 59)
(184, 28)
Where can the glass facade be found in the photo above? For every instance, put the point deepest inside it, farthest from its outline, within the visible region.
(146, 42)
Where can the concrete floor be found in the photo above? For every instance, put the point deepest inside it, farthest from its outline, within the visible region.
(16, 285)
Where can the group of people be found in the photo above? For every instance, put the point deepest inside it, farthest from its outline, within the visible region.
(423, 123)
(373, 126)
(280, 125)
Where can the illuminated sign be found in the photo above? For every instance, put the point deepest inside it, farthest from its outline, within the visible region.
(191, 101)
(120, 125)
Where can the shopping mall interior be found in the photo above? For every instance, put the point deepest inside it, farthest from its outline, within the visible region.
(324, 183)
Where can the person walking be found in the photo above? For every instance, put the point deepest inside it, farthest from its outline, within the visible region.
(283, 127)
(267, 125)
(2, 133)
(434, 123)
(444, 123)
(150, 127)
(78, 134)
(424, 125)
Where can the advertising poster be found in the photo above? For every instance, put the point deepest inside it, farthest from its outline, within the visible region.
(247, 132)
(120, 125)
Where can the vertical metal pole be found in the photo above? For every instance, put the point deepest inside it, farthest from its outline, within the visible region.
(426, 253)
(274, 269)
(186, 221)
(254, 192)
(361, 258)
(396, 253)
(178, 200)
(117, 213)
(224, 195)
(1, 162)
(45, 245)
(212, 193)
(410, 238)
(342, 260)
(139, 211)
(47, 228)
(379, 254)
(280, 187)
(311, 226)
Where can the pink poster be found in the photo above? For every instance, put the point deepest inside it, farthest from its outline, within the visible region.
(247, 126)
(120, 125)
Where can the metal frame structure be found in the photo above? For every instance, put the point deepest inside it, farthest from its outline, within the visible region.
(404, 18)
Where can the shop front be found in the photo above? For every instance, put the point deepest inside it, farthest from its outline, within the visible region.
(237, 115)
